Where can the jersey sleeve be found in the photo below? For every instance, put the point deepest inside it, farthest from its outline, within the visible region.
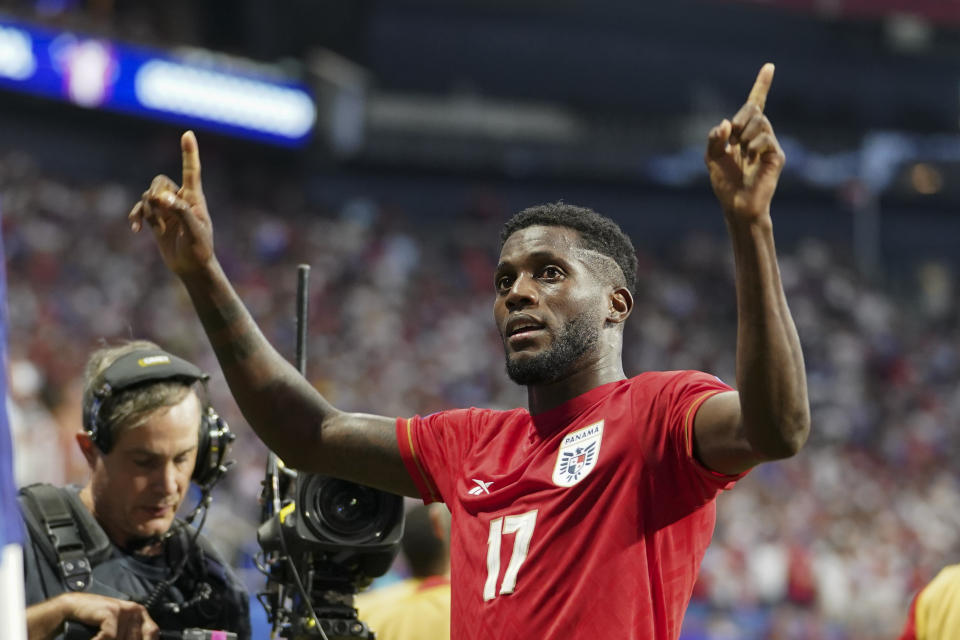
(431, 447)
(682, 395)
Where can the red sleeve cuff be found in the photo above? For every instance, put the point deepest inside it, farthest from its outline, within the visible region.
(408, 452)
(720, 480)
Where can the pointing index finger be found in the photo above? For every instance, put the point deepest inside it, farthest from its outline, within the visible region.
(758, 95)
(191, 161)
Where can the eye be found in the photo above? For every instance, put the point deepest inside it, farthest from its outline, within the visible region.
(551, 272)
(503, 283)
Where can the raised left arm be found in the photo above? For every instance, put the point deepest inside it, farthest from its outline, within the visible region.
(769, 418)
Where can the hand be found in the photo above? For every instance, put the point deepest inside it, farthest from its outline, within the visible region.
(744, 158)
(178, 215)
(115, 619)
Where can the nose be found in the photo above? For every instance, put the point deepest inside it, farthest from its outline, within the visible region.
(168, 479)
(523, 293)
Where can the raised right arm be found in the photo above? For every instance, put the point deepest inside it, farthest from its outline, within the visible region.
(287, 413)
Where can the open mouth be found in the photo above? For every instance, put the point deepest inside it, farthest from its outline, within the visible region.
(521, 329)
(524, 330)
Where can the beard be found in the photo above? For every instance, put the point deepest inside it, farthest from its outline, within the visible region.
(556, 362)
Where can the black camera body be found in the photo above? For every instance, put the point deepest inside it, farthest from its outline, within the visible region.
(338, 536)
(360, 527)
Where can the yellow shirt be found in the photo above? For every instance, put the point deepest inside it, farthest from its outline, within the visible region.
(937, 609)
(415, 609)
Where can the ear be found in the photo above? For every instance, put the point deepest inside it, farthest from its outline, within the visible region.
(620, 304)
(89, 450)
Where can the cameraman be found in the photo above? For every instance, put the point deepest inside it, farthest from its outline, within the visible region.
(112, 555)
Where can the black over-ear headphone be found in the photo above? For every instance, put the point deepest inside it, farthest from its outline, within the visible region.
(146, 366)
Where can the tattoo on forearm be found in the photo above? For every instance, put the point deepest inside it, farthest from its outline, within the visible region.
(233, 348)
(231, 331)
(221, 318)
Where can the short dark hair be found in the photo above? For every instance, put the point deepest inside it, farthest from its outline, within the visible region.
(425, 551)
(599, 233)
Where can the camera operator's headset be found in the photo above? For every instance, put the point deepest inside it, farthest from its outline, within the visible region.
(67, 542)
(147, 366)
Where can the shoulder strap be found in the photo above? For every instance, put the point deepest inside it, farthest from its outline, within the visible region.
(53, 524)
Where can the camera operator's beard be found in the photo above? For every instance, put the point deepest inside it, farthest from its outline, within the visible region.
(556, 362)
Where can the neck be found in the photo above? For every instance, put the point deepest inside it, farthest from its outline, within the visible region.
(543, 397)
(86, 497)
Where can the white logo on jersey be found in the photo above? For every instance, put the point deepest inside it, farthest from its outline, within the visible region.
(578, 455)
(482, 487)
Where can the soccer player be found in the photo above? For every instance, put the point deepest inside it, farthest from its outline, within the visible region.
(588, 512)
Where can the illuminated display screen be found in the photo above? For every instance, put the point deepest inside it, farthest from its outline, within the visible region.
(98, 73)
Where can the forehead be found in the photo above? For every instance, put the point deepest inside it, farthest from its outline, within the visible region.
(540, 239)
(167, 427)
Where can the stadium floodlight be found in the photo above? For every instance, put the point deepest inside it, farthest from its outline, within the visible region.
(225, 98)
(201, 91)
(16, 53)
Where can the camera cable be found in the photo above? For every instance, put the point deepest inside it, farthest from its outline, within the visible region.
(202, 506)
(299, 583)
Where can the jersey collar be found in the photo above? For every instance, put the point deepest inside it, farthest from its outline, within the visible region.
(561, 416)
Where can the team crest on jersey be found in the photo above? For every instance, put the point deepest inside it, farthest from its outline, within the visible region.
(577, 455)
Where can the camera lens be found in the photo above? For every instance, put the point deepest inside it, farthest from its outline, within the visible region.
(348, 508)
(353, 530)
(344, 513)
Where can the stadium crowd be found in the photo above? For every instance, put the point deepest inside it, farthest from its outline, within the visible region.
(831, 544)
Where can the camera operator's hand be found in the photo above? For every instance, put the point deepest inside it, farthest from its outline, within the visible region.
(115, 619)
(178, 215)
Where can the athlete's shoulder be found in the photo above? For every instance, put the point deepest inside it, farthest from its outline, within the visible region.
(655, 381)
(475, 416)
(654, 378)
(664, 392)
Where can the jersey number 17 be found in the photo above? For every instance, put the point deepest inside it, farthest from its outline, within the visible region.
(522, 526)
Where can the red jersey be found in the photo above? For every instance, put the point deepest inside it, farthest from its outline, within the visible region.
(588, 520)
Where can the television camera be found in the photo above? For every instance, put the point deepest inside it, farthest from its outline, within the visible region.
(322, 539)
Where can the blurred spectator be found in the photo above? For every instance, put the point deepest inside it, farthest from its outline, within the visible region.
(417, 608)
(935, 611)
